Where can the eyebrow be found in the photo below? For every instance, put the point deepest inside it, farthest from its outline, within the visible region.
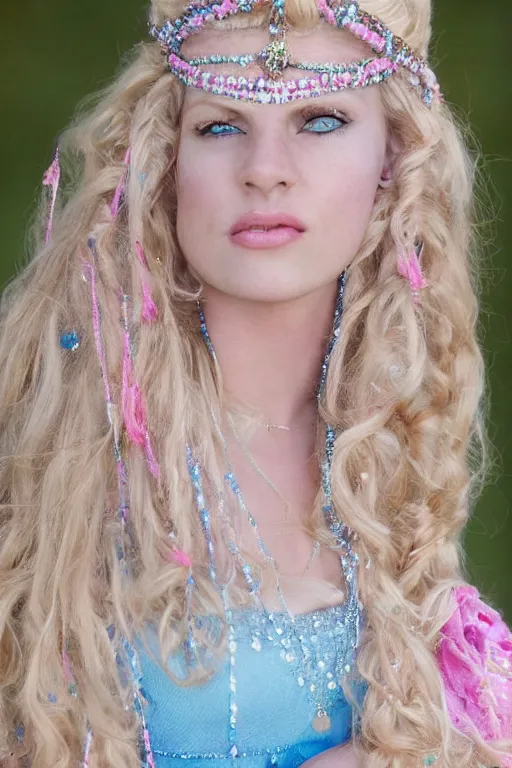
(218, 102)
(224, 103)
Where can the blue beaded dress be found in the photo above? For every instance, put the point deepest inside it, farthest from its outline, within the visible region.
(275, 702)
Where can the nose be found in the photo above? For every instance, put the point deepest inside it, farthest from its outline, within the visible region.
(269, 162)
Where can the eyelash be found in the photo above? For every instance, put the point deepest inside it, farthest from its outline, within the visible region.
(309, 116)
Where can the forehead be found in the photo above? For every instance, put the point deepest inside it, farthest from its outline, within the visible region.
(321, 44)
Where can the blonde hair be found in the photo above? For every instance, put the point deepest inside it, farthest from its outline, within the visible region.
(405, 386)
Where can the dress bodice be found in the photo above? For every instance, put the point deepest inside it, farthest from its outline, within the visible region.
(281, 680)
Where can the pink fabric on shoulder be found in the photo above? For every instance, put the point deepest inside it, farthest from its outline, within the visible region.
(475, 658)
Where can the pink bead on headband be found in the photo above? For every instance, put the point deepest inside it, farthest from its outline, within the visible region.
(274, 58)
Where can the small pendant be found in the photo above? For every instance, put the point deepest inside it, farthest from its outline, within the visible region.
(322, 722)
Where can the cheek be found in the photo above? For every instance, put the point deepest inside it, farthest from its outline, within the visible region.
(347, 190)
(199, 191)
(194, 180)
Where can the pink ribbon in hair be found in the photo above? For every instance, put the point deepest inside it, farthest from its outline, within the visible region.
(52, 179)
(153, 465)
(134, 408)
(409, 267)
(149, 308)
(116, 200)
(180, 557)
(134, 411)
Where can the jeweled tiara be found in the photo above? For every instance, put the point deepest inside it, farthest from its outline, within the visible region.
(393, 54)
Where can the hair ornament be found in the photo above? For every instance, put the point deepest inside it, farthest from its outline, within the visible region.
(118, 194)
(87, 748)
(149, 308)
(134, 413)
(89, 276)
(70, 340)
(393, 54)
(131, 656)
(180, 557)
(133, 405)
(409, 267)
(51, 179)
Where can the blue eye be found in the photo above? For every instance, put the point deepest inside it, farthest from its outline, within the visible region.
(210, 129)
(327, 123)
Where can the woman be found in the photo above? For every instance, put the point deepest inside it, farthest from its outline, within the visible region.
(241, 399)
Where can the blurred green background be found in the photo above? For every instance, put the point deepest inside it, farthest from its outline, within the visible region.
(55, 52)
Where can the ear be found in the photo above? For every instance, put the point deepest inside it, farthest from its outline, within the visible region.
(387, 173)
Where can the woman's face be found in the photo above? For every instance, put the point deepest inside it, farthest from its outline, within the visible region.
(318, 160)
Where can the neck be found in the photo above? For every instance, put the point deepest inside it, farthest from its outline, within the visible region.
(271, 354)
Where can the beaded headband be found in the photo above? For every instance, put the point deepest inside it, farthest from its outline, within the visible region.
(393, 54)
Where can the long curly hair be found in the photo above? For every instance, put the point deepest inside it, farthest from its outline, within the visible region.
(405, 388)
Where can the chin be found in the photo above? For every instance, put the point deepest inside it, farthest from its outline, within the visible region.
(271, 291)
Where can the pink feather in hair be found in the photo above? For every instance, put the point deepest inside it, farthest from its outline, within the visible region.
(52, 179)
(134, 411)
(133, 406)
(149, 308)
(153, 465)
(180, 557)
(116, 200)
(409, 267)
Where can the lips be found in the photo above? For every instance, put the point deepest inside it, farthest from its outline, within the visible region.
(266, 221)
